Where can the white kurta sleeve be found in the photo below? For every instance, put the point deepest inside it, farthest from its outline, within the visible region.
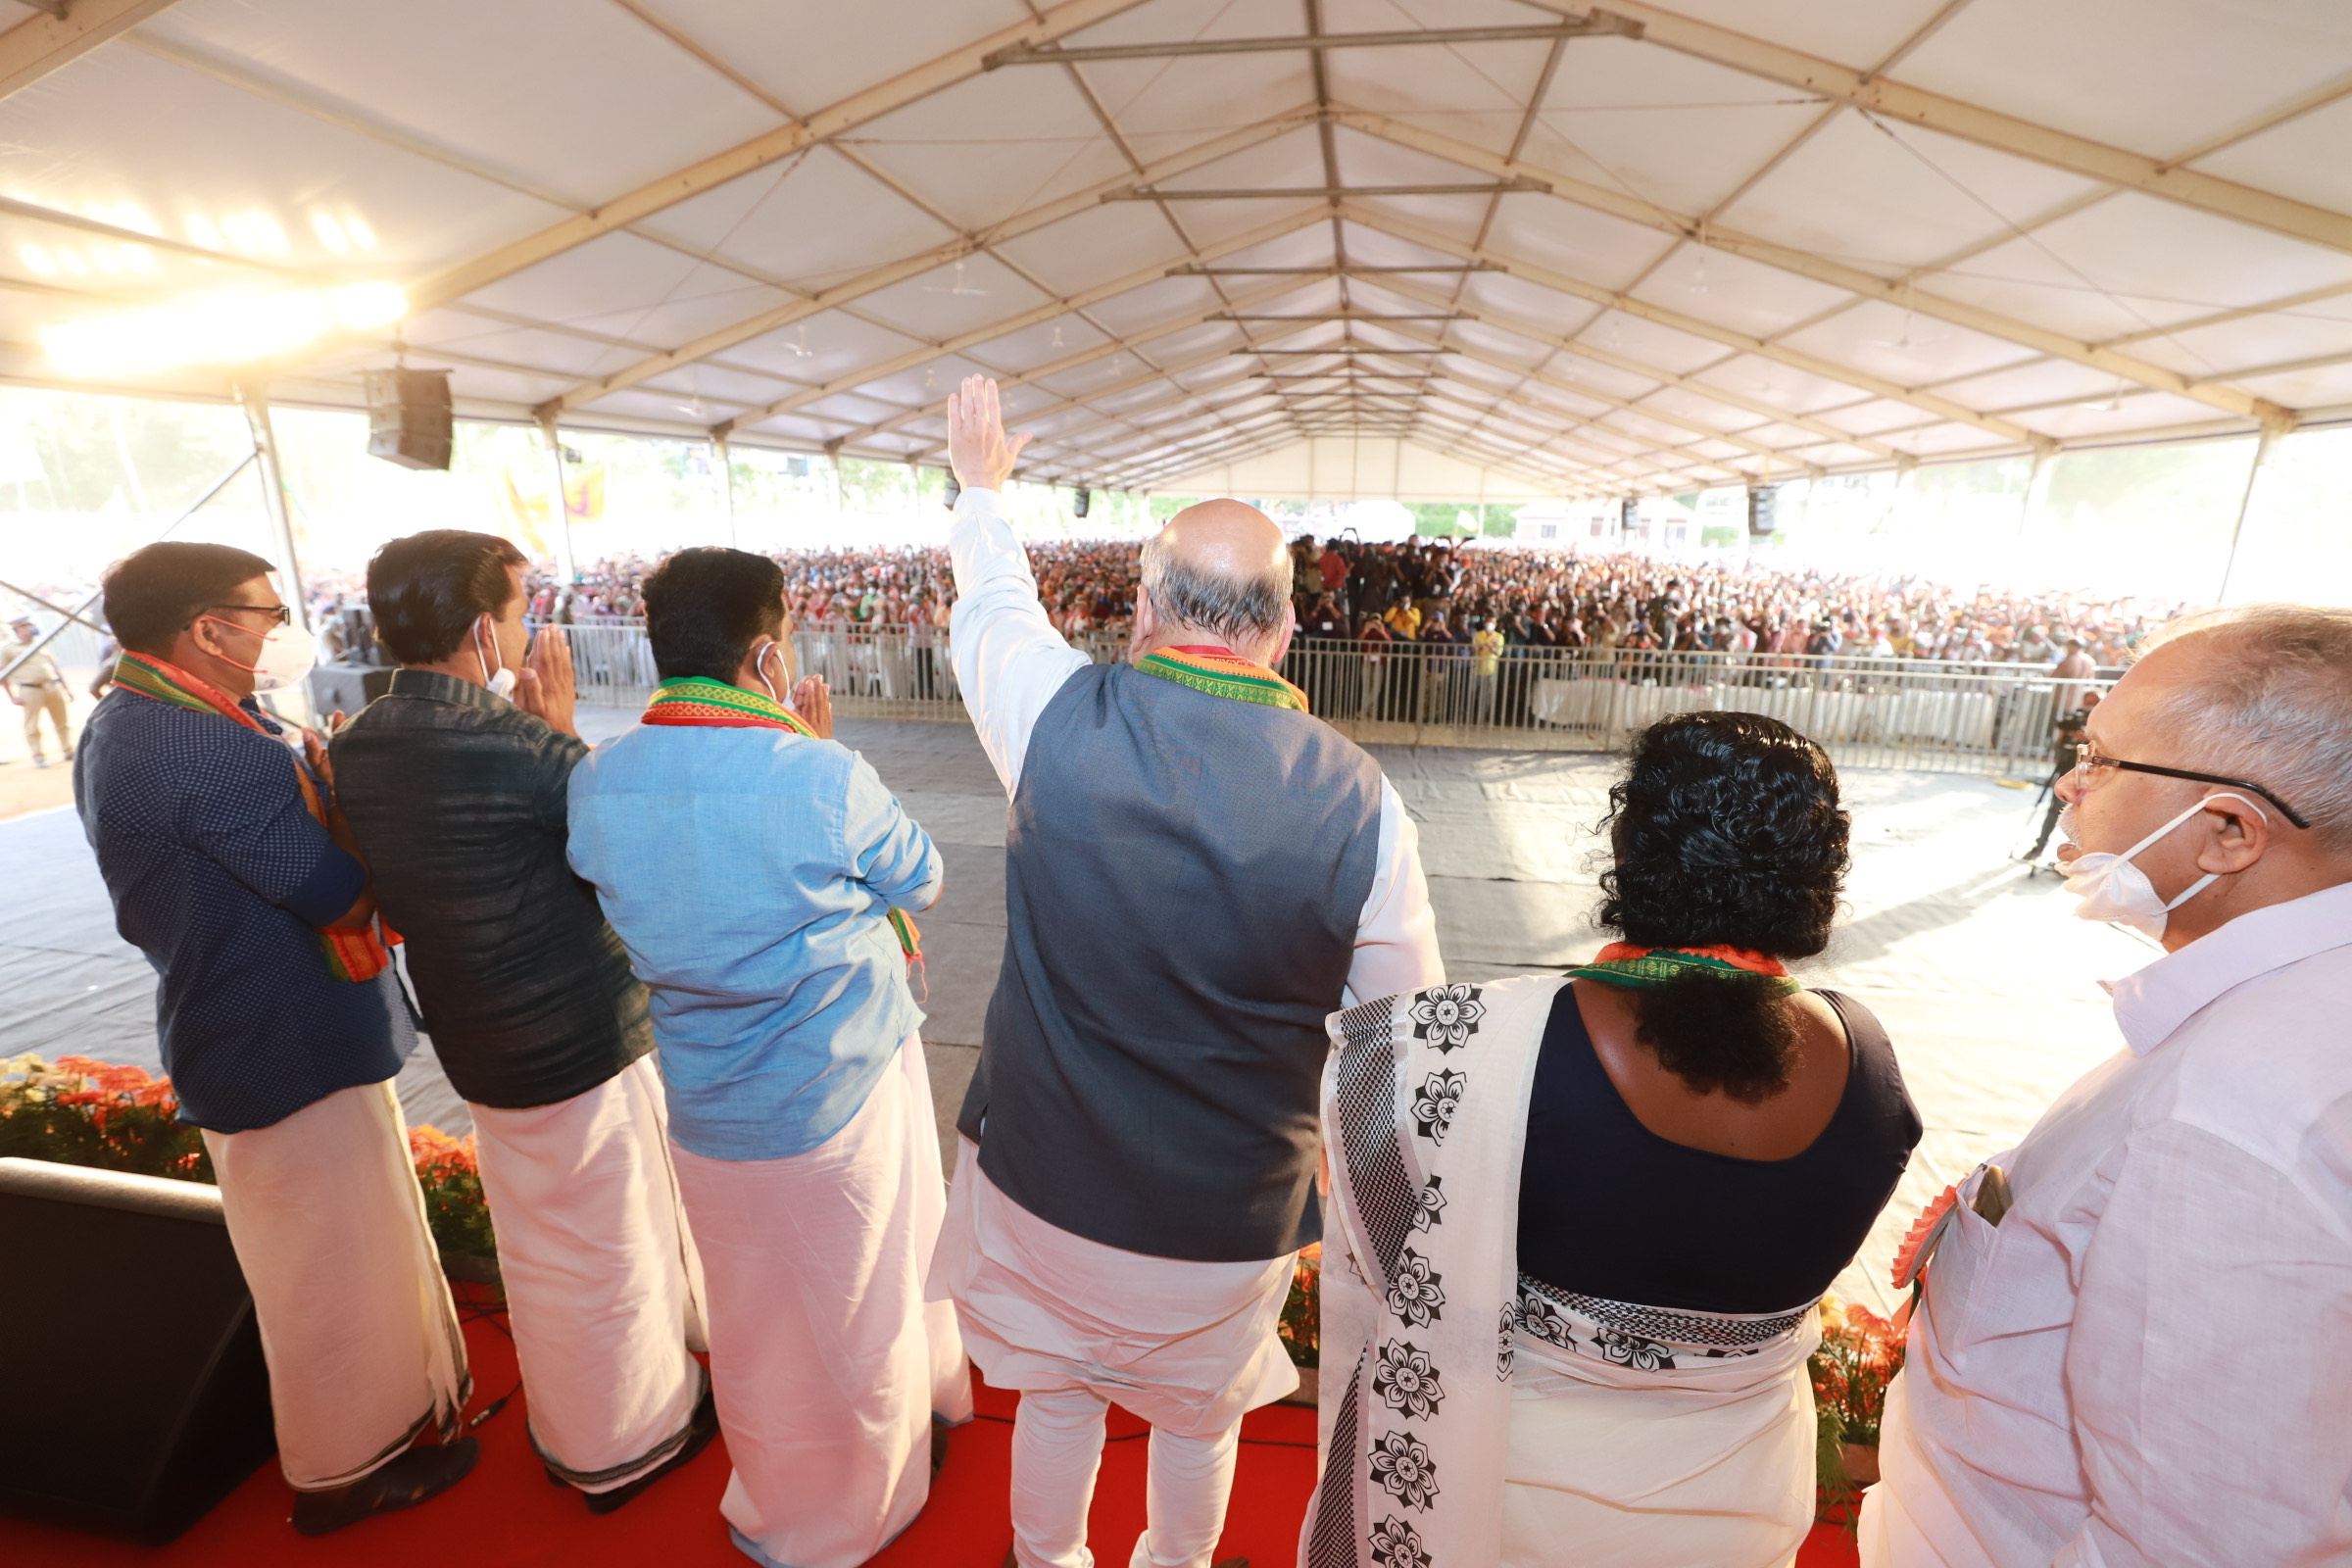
(2210, 1365)
(1396, 935)
(1008, 659)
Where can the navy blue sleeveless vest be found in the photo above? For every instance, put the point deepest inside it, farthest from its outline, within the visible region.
(1183, 878)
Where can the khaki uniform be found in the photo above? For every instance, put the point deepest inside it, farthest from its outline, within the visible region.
(40, 686)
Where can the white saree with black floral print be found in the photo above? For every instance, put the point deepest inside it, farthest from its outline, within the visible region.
(1475, 1418)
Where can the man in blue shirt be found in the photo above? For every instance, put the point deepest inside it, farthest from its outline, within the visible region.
(758, 873)
(279, 1022)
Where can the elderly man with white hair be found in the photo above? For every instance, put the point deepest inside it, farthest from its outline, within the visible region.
(1196, 872)
(2136, 1347)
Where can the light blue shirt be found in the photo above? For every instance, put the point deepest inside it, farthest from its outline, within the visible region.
(750, 872)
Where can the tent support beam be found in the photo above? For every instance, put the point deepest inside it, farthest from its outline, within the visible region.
(1943, 408)
(1600, 23)
(882, 277)
(1631, 366)
(683, 184)
(2245, 504)
(558, 511)
(30, 50)
(1124, 345)
(1820, 269)
(923, 354)
(254, 397)
(1986, 127)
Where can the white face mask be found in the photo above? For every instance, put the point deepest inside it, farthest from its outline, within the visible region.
(2112, 888)
(288, 654)
(287, 658)
(500, 681)
(772, 695)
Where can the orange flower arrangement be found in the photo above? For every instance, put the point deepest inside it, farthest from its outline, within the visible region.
(454, 1204)
(80, 1111)
(1301, 1326)
(1860, 1353)
(85, 1112)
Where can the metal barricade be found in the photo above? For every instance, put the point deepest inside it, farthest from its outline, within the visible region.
(1869, 712)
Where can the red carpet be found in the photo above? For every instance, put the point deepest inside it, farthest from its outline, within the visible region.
(505, 1515)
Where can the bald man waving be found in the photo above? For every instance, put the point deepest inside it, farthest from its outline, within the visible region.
(1197, 871)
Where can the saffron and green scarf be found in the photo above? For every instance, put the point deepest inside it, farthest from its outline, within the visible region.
(353, 953)
(1222, 672)
(1637, 968)
(694, 701)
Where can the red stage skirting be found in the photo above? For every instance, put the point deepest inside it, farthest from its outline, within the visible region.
(505, 1515)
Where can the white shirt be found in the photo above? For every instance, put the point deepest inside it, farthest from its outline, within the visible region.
(2149, 1361)
(1010, 661)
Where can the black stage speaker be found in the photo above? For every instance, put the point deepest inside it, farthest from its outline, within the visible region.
(1761, 501)
(1629, 514)
(410, 420)
(136, 1397)
(1080, 502)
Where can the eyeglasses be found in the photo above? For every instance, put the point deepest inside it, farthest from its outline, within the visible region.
(279, 614)
(2087, 760)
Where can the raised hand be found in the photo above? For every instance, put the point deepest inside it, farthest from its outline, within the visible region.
(813, 699)
(978, 449)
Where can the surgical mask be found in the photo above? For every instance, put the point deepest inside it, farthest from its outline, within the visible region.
(288, 654)
(772, 695)
(499, 681)
(2112, 888)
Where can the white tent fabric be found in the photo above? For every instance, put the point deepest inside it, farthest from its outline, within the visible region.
(1644, 248)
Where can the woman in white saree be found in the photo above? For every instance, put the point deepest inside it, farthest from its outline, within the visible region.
(1579, 1225)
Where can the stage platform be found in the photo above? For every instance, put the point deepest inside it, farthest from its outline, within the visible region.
(1981, 974)
(505, 1514)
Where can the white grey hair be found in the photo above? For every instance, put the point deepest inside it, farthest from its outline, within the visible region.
(2272, 703)
(1244, 607)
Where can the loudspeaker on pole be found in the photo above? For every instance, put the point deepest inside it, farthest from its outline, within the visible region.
(411, 419)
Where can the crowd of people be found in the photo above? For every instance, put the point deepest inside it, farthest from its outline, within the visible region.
(1435, 591)
(1577, 1225)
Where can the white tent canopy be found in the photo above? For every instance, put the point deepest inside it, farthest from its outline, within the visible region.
(1599, 252)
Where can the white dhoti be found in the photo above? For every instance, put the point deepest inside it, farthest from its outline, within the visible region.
(356, 1319)
(1474, 1415)
(1076, 1326)
(827, 1366)
(602, 1282)
(1698, 1465)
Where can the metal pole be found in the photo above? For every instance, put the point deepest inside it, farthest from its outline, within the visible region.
(726, 485)
(2245, 502)
(51, 635)
(2034, 477)
(558, 513)
(55, 610)
(255, 396)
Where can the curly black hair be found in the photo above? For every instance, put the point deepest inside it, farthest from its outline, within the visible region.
(1727, 831)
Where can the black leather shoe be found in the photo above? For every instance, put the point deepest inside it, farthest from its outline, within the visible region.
(938, 1446)
(417, 1474)
(700, 1429)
